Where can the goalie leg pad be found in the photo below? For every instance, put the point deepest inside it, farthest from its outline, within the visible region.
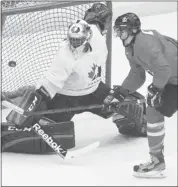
(130, 118)
(31, 101)
(24, 140)
(127, 127)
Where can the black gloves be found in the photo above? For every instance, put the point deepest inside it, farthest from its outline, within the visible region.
(118, 92)
(154, 96)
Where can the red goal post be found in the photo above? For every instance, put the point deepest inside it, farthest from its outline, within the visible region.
(31, 33)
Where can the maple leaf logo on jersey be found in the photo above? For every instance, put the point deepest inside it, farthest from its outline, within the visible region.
(95, 72)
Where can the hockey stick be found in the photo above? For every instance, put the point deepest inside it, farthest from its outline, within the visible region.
(14, 107)
(49, 140)
(58, 148)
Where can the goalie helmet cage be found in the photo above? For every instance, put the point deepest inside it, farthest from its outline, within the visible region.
(31, 33)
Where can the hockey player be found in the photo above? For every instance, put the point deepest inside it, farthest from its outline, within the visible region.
(75, 75)
(148, 50)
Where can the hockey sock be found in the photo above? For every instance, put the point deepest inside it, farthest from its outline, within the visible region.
(156, 134)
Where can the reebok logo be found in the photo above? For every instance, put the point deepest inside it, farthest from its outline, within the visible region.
(49, 140)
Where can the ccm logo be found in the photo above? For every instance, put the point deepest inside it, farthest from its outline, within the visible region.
(12, 128)
(33, 104)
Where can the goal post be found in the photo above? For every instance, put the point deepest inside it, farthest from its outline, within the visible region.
(31, 34)
(109, 46)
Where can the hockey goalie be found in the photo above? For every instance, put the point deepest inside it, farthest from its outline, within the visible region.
(74, 79)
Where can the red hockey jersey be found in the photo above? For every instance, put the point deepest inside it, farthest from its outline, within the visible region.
(155, 53)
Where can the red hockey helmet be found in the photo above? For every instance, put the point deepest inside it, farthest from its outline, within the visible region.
(129, 21)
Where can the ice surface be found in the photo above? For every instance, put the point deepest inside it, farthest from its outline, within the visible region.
(110, 164)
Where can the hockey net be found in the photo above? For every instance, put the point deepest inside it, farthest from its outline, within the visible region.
(31, 34)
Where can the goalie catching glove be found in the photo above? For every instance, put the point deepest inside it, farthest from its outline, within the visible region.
(129, 117)
(99, 14)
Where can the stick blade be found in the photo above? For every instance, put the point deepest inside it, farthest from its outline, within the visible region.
(81, 151)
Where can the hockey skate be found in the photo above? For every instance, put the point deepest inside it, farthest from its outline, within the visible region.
(155, 168)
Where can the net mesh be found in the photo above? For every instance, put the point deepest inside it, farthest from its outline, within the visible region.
(31, 40)
(18, 4)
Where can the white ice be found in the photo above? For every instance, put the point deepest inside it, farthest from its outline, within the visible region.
(112, 163)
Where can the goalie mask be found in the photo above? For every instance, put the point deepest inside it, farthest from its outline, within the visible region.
(79, 33)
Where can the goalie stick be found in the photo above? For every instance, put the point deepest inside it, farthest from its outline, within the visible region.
(14, 107)
(58, 148)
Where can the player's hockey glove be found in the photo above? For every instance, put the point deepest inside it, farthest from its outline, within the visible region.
(100, 14)
(119, 93)
(154, 96)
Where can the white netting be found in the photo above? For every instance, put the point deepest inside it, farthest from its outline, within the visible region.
(31, 40)
(24, 4)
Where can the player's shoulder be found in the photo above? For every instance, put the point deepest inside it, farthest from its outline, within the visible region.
(63, 44)
(64, 52)
(96, 32)
(64, 49)
(97, 38)
(146, 39)
(93, 27)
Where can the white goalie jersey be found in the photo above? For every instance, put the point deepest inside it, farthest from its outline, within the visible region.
(77, 73)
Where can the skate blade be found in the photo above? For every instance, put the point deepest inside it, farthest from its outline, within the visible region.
(151, 174)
